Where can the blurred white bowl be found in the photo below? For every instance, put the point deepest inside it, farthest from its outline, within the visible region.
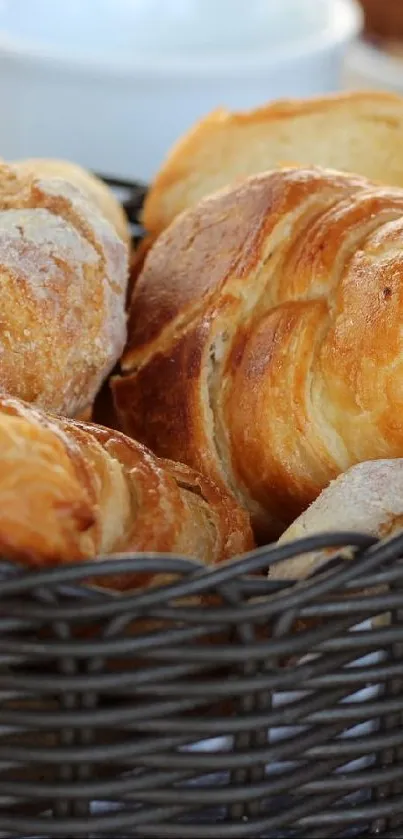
(112, 83)
(368, 67)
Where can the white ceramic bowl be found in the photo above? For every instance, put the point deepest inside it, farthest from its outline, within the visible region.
(368, 67)
(112, 83)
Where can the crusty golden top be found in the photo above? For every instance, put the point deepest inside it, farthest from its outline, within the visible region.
(265, 337)
(88, 183)
(70, 491)
(354, 132)
(63, 276)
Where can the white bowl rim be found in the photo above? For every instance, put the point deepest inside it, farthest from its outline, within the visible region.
(347, 13)
(381, 66)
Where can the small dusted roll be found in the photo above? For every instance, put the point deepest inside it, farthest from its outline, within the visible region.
(95, 189)
(63, 276)
(368, 498)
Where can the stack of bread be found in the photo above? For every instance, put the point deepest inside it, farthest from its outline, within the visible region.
(257, 371)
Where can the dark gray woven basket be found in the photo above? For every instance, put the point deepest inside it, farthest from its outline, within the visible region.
(268, 711)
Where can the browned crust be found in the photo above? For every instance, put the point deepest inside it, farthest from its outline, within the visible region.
(64, 273)
(71, 491)
(179, 170)
(382, 19)
(265, 338)
(95, 189)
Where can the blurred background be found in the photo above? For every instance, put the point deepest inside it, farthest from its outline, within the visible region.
(111, 84)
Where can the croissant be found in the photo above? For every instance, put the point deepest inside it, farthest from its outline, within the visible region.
(63, 274)
(355, 132)
(265, 338)
(71, 491)
(102, 197)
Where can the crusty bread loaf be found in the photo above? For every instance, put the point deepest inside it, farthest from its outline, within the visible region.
(265, 338)
(383, 19)
(368, 498)
(71, 491)
(89, 184)
(355, 132)
(63, 273)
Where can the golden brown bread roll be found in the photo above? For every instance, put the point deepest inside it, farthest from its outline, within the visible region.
(63, 273)
(354, 132)
(265, 338)
(71, 491)
(89, 184)
(383, 19)
(368, 498)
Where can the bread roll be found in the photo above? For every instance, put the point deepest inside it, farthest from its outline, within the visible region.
(86, 182)
(383, 20)
(355, 132)
(368, 498)
(71, 491)
(63, 273)
(265, 338)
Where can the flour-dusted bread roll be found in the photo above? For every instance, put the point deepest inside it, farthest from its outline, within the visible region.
(95, 189)
(355, 132)
(63, 276)
(71, 491)
(265, 338)
(368, 498)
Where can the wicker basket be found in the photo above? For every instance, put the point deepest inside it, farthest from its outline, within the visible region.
(261, 709)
